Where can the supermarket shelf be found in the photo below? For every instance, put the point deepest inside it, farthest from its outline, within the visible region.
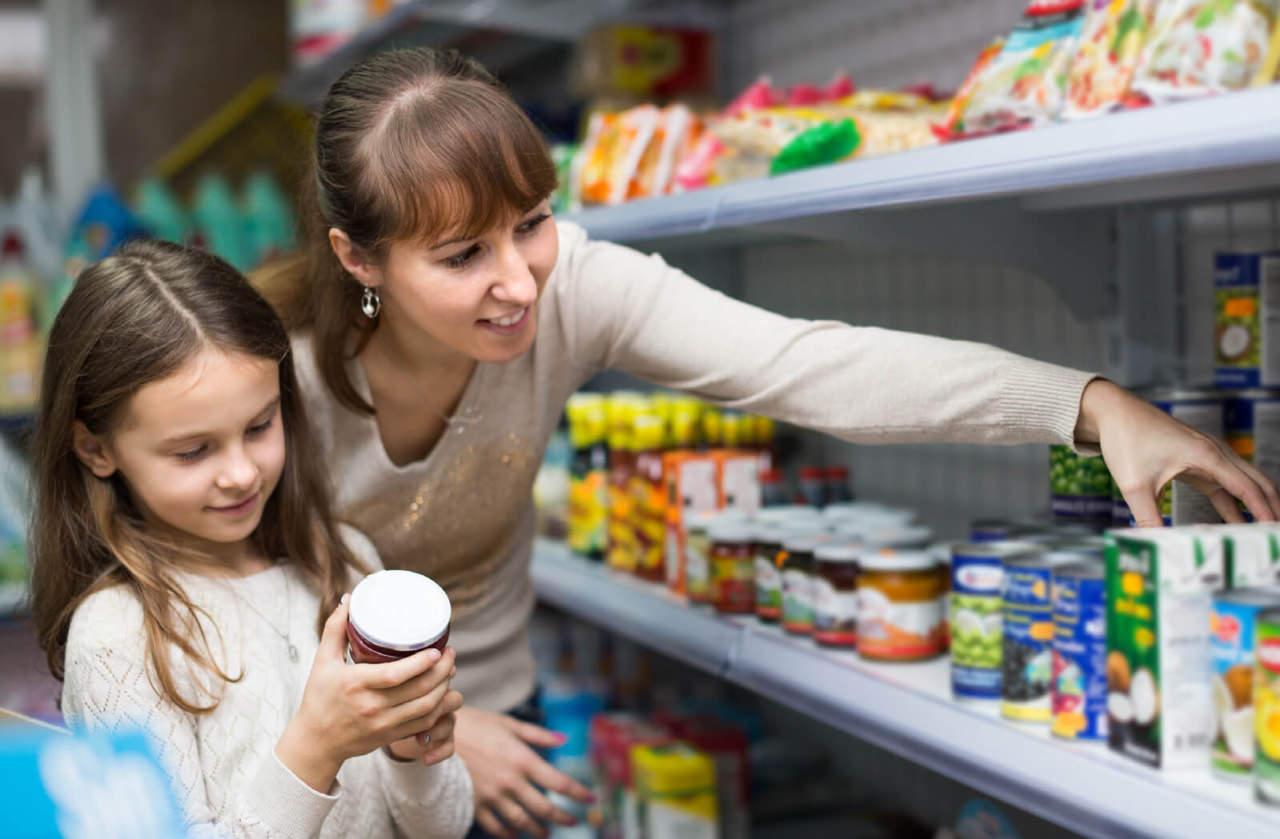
(1225, 144)
(907, 709)
(528, 27)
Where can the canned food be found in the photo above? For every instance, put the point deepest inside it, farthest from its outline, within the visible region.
(1027, 649)
(993, 530)
(1079, 693)
(1080, 487)
(977, 598)
(1252, 427)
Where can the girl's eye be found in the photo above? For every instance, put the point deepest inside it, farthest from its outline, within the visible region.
(460, 260)
(255, 430)
(191, 455)
(532, 224)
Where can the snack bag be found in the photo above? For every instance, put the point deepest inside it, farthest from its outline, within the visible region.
(1202, 47)
(1270, 70)
(612, 151)
(952, 126)
(1107, 57)
(1024, 85)
(675, 136)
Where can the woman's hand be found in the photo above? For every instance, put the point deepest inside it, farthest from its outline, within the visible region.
(1145, 448)
(507, 774)
(352, 709)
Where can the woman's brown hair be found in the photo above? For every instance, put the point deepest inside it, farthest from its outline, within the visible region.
(410, 145)
(134, 318)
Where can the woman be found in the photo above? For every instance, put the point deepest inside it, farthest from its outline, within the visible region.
(442, 319)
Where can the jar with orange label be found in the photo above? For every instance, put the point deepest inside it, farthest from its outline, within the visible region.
(900, 605)
(733, 569)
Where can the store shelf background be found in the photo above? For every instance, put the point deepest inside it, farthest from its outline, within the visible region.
(890, 43)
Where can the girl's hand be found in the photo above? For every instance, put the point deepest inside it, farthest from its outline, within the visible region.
(509, 777)
(352, 709)
(436, 744)
(1145, 448)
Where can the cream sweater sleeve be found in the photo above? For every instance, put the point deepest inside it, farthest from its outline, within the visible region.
(623, 309)
(108, 687)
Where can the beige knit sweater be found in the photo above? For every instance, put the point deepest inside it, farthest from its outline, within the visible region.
(225, 773)
(464, 514)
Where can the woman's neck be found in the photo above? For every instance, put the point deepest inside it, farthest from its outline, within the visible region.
(400, 349)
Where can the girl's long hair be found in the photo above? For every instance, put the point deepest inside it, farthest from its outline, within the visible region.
(134, 318)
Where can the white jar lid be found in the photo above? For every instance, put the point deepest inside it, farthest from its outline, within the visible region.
(804, 541)
(842, 552)
(738, 532)
(400, 610)
(887, 559)
(788, 512)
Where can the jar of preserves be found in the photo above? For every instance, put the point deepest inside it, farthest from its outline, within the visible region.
(394, 614)
(797, 582)
(733, 569)
(768, 541)
(835, 594)
(900, 605)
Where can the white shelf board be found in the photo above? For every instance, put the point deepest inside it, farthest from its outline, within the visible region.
(908, 710)
(1188, 149)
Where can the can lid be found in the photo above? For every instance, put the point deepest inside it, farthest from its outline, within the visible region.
(1265, 596)
(1083, 570)
(1001, 550)
(842, 552)
(788, 512)
(1063, 555)
(887, 559)
(400, 610)
(896, 537)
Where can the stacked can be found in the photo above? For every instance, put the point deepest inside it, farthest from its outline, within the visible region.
(977, 598)
(1079, 688)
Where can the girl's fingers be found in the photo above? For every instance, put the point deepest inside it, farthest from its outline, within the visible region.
(333, 637)
(422, 684)
(424, 707)
(395, 673)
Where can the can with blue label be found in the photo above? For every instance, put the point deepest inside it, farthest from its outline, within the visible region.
(977, 598)
(993, 530)
(1246, 319)
(1078, 694)
(1252, 427)
(1026, 662)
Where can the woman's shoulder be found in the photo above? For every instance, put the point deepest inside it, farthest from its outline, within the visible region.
(361, 547)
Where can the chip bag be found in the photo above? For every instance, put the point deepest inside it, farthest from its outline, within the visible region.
(1107, 56)
(611, 153)
(1024, 85)
(1203, 47)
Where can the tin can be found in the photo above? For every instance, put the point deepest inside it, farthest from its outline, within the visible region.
(1266, 707)
(1252, 427)
(1079, 691)
(1027, 649)
(993, 530)
(1232, 638)
(1080, 487)
(1246, 347)
(977, 599)
(1203, 410)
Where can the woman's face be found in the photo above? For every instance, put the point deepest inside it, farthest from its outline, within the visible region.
(478, 296)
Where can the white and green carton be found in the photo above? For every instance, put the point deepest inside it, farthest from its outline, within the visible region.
(1251, 554)
(1160, 585)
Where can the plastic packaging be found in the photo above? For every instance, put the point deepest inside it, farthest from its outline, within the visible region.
(1114, 33)
(1203, 47)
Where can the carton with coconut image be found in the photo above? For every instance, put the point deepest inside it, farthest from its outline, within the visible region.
(1246, 320)
(1232, 632)
(1160, 586)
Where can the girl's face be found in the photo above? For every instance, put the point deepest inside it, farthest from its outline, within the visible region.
(477, 297)
(201, 450)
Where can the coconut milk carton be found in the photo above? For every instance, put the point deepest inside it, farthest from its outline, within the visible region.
(1160, 586)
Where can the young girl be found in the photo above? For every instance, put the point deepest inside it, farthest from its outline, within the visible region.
(187, 567)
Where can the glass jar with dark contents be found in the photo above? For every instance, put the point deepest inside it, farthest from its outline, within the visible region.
(797, 582)
(394, 614)
(835, 595)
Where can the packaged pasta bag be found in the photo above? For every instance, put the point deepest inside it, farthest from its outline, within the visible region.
(1023, 86)
(1203, 47)
(952, 125)
(1107, 56)
(612, 151)
(889, 121)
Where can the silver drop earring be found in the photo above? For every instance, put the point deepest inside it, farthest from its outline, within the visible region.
(370, 303)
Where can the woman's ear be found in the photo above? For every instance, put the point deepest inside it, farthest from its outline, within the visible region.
(91, 451)
(354, 259)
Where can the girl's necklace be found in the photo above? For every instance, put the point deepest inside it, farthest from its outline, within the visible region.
(288, 614)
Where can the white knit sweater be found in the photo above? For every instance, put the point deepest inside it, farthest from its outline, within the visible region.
(223, 764)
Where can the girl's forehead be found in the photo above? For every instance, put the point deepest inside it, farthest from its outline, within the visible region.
(211, 389)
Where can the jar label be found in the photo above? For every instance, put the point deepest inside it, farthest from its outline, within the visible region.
(768, 585)
(833, 608)
(898, 630)
(797, 600)
(697, 573)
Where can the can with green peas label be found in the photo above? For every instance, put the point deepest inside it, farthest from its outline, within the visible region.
(1080, 487)
(977, 586)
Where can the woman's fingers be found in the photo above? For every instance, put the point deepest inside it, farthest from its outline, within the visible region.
(548, 777)
(1212, 469)
(1226, 505)
(536, 735)
(520, 820)
(1143, 506)
(535, 802)
(493, 825)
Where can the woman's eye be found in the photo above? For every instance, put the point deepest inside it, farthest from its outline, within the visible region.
(461, 259)
(532, 224)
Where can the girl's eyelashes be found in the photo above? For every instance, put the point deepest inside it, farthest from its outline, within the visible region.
(255, 430)
(192, 455)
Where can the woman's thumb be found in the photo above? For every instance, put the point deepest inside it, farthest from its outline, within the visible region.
(333, 640)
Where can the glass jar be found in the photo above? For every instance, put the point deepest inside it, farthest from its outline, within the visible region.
(697, 551)
(835, 595)
(394, 614)
(768, 541)
(900, 605)
(733, 569)
(797, 582)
